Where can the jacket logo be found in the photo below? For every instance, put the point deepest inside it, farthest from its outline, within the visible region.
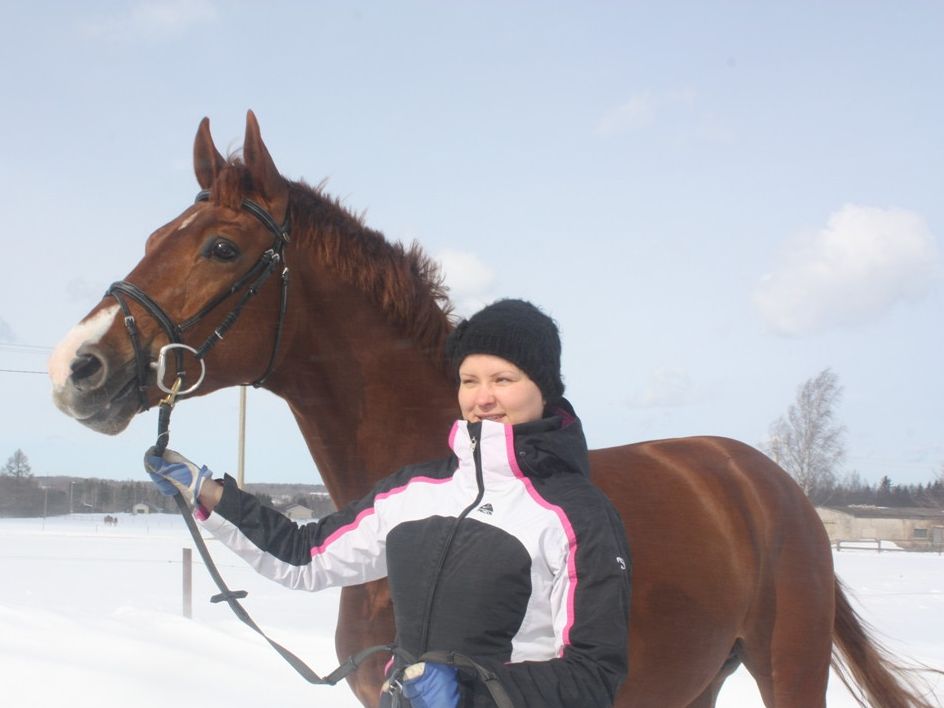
(622, 563)
(486, 508)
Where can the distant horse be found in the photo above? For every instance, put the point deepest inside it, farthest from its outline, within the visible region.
(731, 564)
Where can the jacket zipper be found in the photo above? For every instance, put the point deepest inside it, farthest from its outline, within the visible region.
(480, 482)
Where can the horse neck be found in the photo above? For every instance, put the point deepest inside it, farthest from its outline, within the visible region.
(367, 399)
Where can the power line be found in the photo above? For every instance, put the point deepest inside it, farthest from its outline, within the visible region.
(23, 349)
(28, 347)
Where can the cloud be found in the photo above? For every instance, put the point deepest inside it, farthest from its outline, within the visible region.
(863, 262)
(152, 19)
(665, 387)
(642, 110)
(469, 280)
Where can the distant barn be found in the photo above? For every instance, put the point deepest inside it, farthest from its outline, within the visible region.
(297, 512)
(912, 528)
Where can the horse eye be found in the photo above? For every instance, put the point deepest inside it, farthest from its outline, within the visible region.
(223, 250)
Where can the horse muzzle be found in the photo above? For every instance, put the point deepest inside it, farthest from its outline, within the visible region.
(96, 386)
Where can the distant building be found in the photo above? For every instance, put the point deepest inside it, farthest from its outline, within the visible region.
(297, 512)
(914, 528)
(141, 508)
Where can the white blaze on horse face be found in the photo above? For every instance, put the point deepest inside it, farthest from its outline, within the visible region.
(90, 331)
(186, 222)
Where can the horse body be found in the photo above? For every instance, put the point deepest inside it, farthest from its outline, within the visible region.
(730, 563)
(714, 527)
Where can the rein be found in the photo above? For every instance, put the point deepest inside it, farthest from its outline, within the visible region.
(232, 598)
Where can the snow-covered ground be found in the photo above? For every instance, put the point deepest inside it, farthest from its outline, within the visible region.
(90, 617)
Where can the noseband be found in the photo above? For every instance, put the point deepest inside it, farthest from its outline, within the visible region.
(251, 281)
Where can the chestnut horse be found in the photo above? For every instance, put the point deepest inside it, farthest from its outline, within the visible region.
(731, 564)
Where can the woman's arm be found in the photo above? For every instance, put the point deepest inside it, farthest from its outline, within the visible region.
(343, 548)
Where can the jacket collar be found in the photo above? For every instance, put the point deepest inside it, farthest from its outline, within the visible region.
(552, 445)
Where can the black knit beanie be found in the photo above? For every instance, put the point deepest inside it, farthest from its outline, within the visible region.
(517, 331)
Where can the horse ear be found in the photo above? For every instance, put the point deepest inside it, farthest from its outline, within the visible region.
(207, 161)
(262, 171)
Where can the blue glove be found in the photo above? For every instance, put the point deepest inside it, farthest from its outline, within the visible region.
(175, 474)
(431, 685)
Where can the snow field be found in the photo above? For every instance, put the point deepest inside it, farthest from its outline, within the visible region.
(90, 617)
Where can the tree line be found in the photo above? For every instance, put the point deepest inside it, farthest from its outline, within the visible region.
(22, 494)
(853, 490)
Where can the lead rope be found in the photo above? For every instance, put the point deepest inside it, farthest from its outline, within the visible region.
(232, 598)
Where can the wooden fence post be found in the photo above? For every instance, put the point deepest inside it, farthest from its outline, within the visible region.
(188, 583)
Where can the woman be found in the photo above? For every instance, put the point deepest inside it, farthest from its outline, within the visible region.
(504, 552)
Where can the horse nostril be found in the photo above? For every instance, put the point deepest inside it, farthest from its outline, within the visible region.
(86, 370)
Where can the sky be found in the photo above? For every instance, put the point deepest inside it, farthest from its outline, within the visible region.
(119, 630)
(715, 200)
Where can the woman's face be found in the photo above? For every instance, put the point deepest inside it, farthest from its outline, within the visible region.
(492, 388)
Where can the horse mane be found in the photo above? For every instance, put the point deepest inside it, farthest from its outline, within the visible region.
(405, 283)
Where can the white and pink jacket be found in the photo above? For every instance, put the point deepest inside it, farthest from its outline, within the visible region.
(504, 552)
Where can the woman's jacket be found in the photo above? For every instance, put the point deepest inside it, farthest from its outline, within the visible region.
(504, 552)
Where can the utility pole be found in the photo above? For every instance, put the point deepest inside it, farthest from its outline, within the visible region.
(241, 457)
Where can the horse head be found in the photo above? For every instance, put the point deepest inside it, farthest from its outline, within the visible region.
(204, 276)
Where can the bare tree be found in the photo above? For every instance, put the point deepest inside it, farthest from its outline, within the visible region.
(17, 466)
(808, 442)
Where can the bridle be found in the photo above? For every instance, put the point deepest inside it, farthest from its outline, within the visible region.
(252, 280)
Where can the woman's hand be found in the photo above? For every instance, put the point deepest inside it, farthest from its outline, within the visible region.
(430, 685)
(175, 474)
